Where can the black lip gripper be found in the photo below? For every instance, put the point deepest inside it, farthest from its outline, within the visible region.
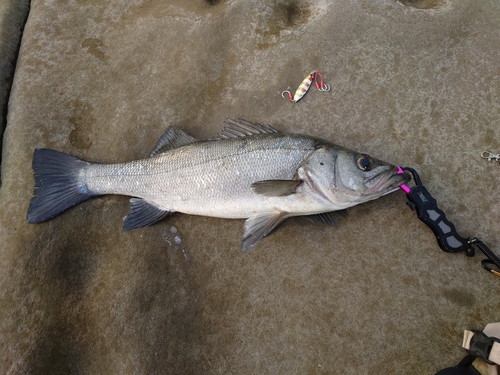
(421, 201)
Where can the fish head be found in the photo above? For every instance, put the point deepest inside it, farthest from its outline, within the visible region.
(346, 178)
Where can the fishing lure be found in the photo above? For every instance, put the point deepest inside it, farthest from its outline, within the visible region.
(306, 84)
(490, 156)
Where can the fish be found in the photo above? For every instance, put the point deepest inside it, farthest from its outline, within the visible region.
(248, 171)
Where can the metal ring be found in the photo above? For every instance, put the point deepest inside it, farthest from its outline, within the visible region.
(486, 154)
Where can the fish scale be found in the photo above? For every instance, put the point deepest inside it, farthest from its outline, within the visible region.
(218, 172)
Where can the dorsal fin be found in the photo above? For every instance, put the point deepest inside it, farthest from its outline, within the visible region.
(242, 128)
(172, 138)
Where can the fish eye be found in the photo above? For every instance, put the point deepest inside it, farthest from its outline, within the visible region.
(365, 163)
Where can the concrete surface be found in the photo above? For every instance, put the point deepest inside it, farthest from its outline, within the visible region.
(13, 14)
(415, 83)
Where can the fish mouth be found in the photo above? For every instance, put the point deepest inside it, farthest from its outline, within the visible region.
(386, 182)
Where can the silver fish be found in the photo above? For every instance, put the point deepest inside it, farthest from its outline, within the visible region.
(249, 171)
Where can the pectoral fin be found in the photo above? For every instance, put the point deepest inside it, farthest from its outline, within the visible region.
(142, 214)
(323, 218)
(259, 226)
(275, 188)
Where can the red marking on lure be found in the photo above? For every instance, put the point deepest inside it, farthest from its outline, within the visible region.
(306, 84)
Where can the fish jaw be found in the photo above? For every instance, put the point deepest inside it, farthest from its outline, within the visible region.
(385, 183)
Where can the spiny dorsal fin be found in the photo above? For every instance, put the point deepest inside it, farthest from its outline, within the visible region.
(275, 188)
(242, 128)
(172, 138)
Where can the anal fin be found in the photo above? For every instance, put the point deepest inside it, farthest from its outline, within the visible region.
(260, 225)
(142, 214)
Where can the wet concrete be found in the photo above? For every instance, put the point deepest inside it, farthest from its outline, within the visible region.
(414, 83)
(13, 15)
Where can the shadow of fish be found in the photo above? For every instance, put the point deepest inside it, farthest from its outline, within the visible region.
(249, 171)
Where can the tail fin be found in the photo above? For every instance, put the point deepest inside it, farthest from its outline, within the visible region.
(57, 187)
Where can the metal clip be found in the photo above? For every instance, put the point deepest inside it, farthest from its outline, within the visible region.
(492, 259)
(490, 156)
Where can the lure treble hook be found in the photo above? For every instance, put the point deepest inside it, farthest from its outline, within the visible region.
(321, 85)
